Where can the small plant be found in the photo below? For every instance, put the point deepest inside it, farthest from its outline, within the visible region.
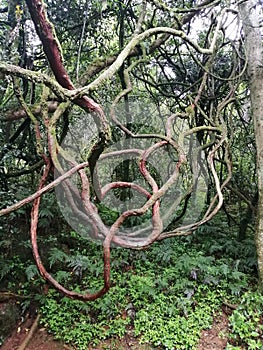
(74, 321)
(173, 327)
(246, 322)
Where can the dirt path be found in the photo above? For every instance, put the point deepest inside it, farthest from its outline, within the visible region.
(216, 337)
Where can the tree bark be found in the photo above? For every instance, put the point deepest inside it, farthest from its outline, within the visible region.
(254, 52)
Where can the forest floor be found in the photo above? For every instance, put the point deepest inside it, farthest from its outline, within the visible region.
(211, 339)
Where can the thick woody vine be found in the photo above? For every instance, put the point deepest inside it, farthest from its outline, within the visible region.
(49, 114)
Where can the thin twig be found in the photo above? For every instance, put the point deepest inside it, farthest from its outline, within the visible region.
(30, 334)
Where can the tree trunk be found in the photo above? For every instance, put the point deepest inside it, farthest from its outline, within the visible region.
(254, 51)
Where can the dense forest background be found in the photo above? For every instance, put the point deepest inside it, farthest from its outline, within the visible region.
(131, 169)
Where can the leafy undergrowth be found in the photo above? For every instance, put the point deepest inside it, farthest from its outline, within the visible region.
(167, 294)
(247, 322)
